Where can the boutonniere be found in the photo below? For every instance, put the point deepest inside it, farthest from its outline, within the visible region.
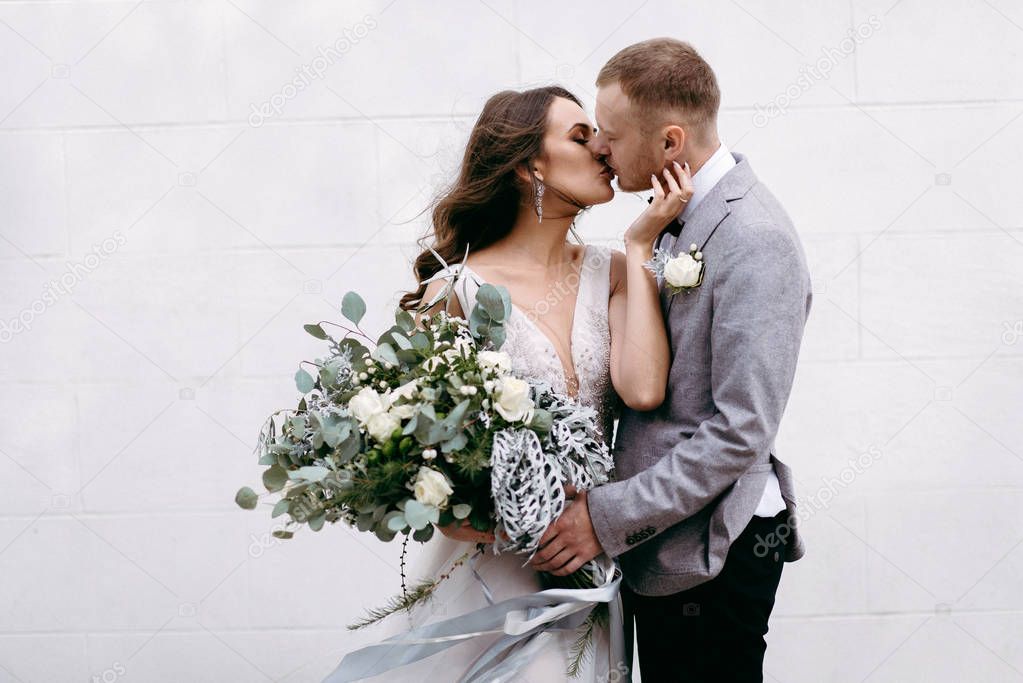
(681, 273)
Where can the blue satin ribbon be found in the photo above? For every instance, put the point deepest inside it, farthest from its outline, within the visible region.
(526, 622)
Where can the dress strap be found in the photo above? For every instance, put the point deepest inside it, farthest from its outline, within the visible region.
(598, 265)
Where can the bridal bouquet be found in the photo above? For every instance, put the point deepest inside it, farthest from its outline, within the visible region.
(426, 426)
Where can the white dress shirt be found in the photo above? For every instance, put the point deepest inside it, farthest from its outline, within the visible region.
(720, 163)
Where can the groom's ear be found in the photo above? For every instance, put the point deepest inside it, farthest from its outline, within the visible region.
(674, 138)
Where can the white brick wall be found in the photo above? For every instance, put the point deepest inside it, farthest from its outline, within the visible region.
(130, 406)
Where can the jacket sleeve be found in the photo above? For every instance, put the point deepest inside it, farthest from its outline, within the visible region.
(761, 301)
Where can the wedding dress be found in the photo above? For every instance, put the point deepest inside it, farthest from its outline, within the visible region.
(504, 576)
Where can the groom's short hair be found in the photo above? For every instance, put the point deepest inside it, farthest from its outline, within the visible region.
(666, 74)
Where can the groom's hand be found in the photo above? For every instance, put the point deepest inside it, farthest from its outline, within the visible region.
(570, 542)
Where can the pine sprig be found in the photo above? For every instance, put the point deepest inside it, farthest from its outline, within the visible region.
(582, 647)
(419, 594)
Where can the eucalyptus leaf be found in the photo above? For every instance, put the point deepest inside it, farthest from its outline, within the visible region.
(408, 356)
(310, 473)
(506, 300)
(353, 307)
(491, 300)
(328, 375)
(280, 508)
(423, 535)
(335, 430)
(419, 515)
(542, 420)
(316, 331)
(461, 511)
(455, 443)
(420, 341)
(395, 521)
(316, 523)
(246, 498)
(275, 477)
(349, 447)
(411, 426)
(405, 320)
(401, 340)
(439, 432)
(298, 424)
(497, 336)
(425, 430)
(455, 417)
(304, 381)
(385, 352)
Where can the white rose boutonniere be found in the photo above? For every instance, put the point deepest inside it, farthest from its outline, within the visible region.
(680, 273)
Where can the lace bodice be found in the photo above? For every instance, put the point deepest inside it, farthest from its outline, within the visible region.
(534, 355)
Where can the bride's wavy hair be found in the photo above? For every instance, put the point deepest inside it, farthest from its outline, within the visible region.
(481, 205)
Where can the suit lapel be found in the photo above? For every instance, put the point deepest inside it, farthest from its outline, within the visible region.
(707, 216)
(714, 209)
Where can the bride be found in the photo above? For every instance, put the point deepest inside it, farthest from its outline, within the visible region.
(586, 319)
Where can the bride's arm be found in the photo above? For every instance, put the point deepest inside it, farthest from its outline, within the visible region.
(640, 354)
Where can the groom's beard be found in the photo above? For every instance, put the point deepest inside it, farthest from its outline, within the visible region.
(630, 184)
(636, 178)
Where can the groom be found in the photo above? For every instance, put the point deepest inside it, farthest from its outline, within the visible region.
(702, 513)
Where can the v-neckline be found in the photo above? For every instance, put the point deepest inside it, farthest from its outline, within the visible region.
(571, 331)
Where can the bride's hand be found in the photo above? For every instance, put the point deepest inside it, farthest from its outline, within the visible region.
(664, 207)
(463, 531)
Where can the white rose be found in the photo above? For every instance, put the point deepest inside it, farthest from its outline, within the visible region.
(682, 271)
(405, 411)
(513, 402)
(432, 487)
(498, 361)
(382, 425)
(406, 391)
(366, 404)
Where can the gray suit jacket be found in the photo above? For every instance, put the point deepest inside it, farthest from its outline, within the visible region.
(689, 474)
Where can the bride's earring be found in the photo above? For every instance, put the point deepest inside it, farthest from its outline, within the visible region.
(538, 188)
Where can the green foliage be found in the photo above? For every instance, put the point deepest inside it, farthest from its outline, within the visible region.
(421, 593)
(246, 498)
(353, 307)
(304, 381)
(316, 330)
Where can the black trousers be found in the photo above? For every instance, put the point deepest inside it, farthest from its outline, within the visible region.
(713, 631)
